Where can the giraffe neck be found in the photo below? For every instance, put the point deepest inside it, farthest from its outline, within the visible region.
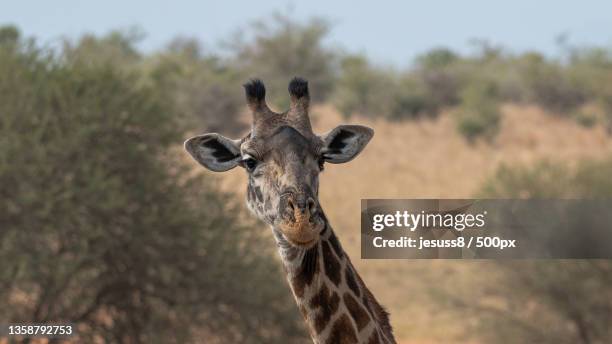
(332, 297)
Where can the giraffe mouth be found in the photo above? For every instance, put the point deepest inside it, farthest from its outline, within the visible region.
(301, 233)
(302, 244)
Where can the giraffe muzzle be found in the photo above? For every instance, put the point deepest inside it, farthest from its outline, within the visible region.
(300, 222)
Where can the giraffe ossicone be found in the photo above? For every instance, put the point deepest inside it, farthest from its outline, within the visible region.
(283, 159)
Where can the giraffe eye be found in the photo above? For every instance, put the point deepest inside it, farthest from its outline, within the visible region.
(249, 163)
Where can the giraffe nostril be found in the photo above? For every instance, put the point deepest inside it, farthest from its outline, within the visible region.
(296, 205)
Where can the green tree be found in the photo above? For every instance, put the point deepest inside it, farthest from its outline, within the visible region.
(479, 114)
(103, 226)
(206, 93)
(117, 47)
(280, 48)
(364, 89)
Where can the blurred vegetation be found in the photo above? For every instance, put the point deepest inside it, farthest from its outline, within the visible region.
(479, 114)
(279, 48)
(546, 301)
(103, 227)
(202, 80)
(552, 180)
(363, 89)
(535, 301)
(204, 91)
(477, 84)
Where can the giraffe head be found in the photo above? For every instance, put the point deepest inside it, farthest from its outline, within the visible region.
(283, 159)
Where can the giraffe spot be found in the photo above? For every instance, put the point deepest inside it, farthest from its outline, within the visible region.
(351, 282)
(336, 245)
(358, 314)
(374, 338)
(366, 303)
(342, 332)
(332, 266)
(307, 271)
(377, 312)
(327, 303)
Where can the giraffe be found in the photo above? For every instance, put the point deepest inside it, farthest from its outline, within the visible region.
(283, 159)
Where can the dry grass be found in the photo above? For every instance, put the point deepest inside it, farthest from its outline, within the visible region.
(429, 159)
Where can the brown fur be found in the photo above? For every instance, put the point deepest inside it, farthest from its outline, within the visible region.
(342, 332)
(351, 282)
(308, 270)
(374, 338)
(358, 314)
(326, 303)
(332, 266)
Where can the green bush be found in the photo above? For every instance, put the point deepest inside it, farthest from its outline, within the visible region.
(585, 119)
(101, 226)
(410, 101)
(364, 89)
(478, 115)
(551, 86)
(438, 74)
(437, 58)
(604, 98)
(547, 179)
(372, 91)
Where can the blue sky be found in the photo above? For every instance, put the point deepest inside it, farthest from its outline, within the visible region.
(387, 31)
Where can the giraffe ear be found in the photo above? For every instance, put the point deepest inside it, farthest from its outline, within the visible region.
(215, 152)
(345, 142)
